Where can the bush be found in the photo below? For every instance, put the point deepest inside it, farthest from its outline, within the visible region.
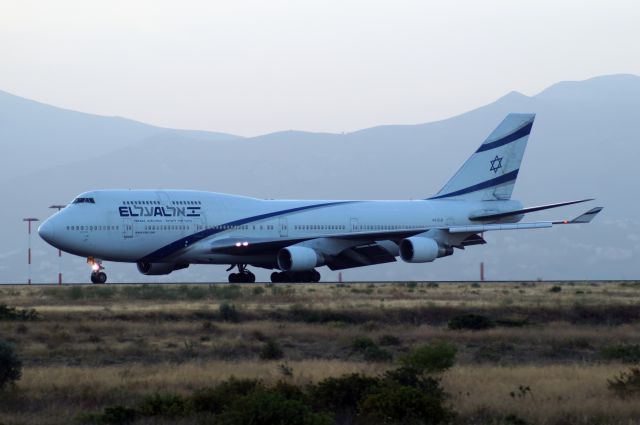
(168, 405)
(409, 377)
(626, 384)
(214, 400)
(431, 358)
(555, 289)
(270, 407)
(13, 314)
(342, 395)
(228, 312)
(362, 343)
(627, 353)
(117, 415)
(271, 351)
(377, 354)
(389, 340)
(10, 365)
(471, 321)
(370, 350)
(512, 322)
(402, 405)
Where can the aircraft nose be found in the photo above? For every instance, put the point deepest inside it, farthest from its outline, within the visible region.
(47, 231)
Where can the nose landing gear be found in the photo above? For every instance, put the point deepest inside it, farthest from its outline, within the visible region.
(97, 274)
(244, 275)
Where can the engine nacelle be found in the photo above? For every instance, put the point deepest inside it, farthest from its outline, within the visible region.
(298, 259)
(153, 269)
(419, 249)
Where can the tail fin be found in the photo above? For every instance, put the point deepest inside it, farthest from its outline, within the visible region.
(491, 172)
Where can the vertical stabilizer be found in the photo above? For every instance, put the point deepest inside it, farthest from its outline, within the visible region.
(491, 172)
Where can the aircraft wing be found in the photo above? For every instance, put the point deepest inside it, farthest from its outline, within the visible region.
(356, 249)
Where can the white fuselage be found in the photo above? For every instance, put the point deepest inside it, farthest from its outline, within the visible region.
(179, 226)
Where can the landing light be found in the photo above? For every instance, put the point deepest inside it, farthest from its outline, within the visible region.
(245, 243)
(95, 267)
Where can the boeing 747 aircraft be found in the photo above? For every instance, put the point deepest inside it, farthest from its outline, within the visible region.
(167, 230)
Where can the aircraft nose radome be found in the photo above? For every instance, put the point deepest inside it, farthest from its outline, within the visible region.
(47, 231)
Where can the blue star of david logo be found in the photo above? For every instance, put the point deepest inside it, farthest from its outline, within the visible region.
(496, 164)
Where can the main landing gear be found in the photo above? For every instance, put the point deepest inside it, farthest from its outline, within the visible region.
(304, 277)
(97, 273)
(244, 275)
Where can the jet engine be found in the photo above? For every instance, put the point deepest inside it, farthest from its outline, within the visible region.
(418, 249)
(153, 269)
(299, 258)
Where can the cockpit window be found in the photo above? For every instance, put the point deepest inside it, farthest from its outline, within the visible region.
(84, 201)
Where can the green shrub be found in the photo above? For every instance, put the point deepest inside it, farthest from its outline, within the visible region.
(10, 365)
(117, 415)
(342, 395)
(258, 290)
(512, 322)
(403, 405)
(377, 354)
(13, 314)
(409, 377)
(299, 313)
(627, 384)
(555, 289)
(370, 350)
(431, 358)
(291, 392)
(627, 353)
(362, 343)
(471, 321)
(214, 400)
(228, 312)
(271, 351)
(167, 405)
(389, 340)
(266, 407)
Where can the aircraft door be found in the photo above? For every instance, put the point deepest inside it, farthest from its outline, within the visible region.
(284, 227)
(127, 228)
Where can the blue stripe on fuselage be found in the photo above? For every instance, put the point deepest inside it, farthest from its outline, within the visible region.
(518, 134)
(505, 178)
(187, 241)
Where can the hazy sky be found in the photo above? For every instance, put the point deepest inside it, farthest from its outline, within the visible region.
(250, 67)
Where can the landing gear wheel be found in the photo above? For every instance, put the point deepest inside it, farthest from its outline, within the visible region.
(244, 277)
(250, 277)
(280, 277)
(98, 277)
(303, 277)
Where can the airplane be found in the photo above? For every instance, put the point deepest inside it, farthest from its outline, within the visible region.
(163, 231)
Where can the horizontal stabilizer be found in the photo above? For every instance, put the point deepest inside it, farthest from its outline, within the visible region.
(478, 228)
(497, 216)
(584, 218)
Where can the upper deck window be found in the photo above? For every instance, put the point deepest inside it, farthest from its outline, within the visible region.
(84, 201)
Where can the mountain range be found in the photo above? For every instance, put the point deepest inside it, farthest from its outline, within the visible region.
(583, 144)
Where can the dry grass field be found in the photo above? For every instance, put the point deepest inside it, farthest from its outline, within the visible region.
(546, 359)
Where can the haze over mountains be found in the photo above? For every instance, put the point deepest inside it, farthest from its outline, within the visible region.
(584, 143)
